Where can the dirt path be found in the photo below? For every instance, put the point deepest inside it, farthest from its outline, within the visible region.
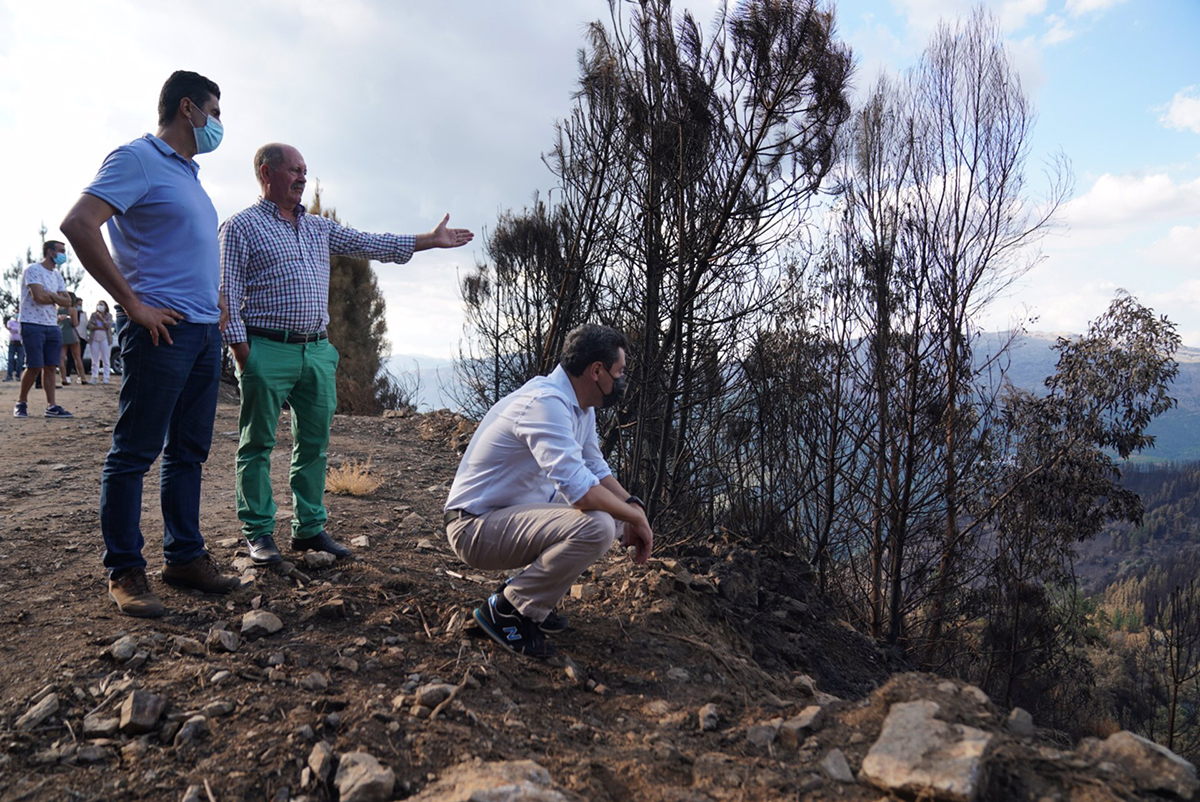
(651, 645)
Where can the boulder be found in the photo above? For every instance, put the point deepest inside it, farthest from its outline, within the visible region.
(315, 682)
(218, 708)
(918, 755)
(795, 730)
(223, 640)
(189, 645)
(763, 735)
(123, 648)
(836, 767)
(504, 781)
(193, 728)
(38, 713)
(97, 726)
(257, 623)
(1149, 766)
(140, 712)
(1020, 723)
(585, 592)
(360, 778)
(320, 760)
(710, 717)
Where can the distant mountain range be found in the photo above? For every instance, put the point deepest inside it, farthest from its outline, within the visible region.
(1177, 432)
(432, 377)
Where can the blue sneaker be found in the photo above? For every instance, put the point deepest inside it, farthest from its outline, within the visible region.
(554, 622)
(513, 631)
(55, 411)
(20, 410)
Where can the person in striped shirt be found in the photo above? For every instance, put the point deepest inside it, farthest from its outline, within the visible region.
(275, 281)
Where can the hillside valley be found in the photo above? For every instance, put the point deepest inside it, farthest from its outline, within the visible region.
(718, 673)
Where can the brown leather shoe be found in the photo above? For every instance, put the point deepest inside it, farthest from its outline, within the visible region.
(200, 574)
(131, 591)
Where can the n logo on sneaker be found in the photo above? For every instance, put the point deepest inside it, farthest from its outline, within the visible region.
(512, 633)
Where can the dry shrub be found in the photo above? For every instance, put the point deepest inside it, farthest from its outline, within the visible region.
(352, 478)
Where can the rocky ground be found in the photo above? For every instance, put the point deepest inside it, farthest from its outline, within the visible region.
(707, 676)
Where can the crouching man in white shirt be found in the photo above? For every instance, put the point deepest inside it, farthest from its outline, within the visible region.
(533, 491)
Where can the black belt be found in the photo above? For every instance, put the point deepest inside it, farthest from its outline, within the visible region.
(453, 515)
(281, 336)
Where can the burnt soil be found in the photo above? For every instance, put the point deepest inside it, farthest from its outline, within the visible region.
(649, 645)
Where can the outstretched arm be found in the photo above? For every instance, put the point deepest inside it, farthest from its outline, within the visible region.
(443, 237)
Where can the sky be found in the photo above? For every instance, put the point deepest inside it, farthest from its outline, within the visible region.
(405, 111)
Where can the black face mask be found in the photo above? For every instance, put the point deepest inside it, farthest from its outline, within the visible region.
(611, 399)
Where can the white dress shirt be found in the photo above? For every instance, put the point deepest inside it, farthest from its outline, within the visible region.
(535, 445)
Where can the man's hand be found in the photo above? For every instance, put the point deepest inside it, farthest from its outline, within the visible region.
(443, 237)
(241, 352)
(155, 320)
(641, 537)
(223, 322)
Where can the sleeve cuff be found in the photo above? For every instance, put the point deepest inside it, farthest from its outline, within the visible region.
(235, 333)
(578, 487)
(104, 196)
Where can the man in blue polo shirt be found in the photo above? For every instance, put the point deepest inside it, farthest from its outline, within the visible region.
(164, 271)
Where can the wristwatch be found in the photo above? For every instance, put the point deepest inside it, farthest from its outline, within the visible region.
(637, 501)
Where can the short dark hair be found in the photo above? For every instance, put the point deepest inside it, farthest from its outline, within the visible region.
(591, 342)
(49, 245)
(194, 86)
(270, 154)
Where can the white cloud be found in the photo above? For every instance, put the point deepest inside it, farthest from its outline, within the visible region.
(1014, 13)
(1081, 7)
(1180, 248)
(923, 16)
(1183, 113)
(1059, 32)
(1128, 200)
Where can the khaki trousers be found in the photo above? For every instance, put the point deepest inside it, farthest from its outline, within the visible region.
(556, 542)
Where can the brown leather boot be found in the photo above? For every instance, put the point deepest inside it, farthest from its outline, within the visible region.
(200, 574)
(131, 591)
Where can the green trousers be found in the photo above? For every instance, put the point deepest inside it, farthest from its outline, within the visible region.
(304, 375)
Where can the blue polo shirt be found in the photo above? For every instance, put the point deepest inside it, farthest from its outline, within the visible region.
(164, 234)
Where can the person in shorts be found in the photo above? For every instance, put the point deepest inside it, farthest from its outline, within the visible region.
(42, 292)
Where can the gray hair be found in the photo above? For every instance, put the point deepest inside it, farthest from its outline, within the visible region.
(270, 154)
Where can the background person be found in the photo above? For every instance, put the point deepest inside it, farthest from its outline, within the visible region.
(68, 324)
(100, 326)
(16, 351)
(42, 287)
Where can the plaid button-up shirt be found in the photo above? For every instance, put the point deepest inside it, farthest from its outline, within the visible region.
(275, 275)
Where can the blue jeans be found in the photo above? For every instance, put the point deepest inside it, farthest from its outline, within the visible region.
(167, 405)
(16, 359)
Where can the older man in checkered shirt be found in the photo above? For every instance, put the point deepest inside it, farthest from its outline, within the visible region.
(275, 279)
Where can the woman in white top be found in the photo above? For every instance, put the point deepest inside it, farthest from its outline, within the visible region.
(100, 326)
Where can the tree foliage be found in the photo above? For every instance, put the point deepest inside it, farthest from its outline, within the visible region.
(358, 328)
(828, 389)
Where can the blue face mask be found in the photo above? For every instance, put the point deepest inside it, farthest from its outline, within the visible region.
(209, 135)
(60, 259)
